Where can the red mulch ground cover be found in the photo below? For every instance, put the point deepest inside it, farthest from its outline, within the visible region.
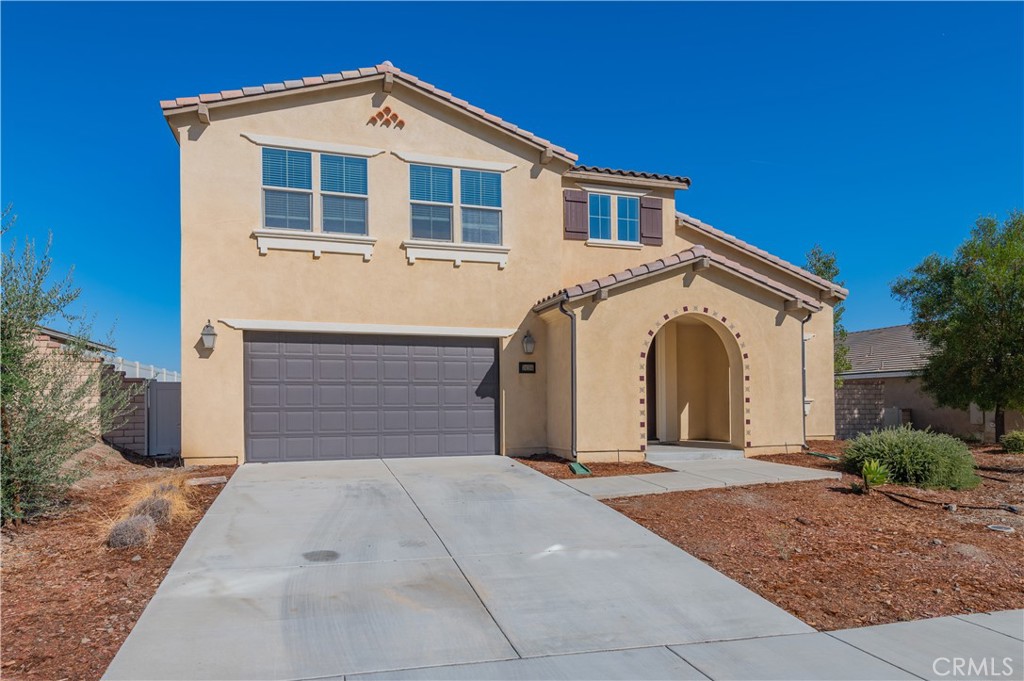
(837, 559)
(558, 468)
(68, 601)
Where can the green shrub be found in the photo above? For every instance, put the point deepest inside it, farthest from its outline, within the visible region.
(874, 473)
(914, 457)
(1013, 442)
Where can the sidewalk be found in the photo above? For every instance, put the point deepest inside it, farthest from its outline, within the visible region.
(694, 469)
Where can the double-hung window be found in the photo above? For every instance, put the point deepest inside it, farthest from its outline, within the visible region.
(343, 194)
(430, 190)
(600, 216)
(622, 212)
(287, 189)
(628, 218)
(480, 197)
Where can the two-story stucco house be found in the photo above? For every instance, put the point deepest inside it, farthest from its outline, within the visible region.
(392, 271)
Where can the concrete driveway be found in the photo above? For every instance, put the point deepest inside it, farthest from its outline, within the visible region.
(332, 569)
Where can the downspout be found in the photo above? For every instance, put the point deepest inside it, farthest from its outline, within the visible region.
(572, 369)
(803, 368)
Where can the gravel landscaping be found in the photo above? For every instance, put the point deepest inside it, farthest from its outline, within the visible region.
(838, 560)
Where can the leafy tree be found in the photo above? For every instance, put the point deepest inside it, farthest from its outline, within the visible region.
(970, 309)
(824, 265)
(53, 402)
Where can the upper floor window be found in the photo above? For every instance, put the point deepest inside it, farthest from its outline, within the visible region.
(436, 191)
(343, 194)
(480, 197)
(430, 189)
(623, 212)
(600, 216)
(628, 218)
(287, 189)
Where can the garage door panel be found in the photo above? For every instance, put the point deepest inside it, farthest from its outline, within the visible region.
(365, 421)
(332, 421)
(298, 369)
(320, 396)
(264, 422)
(332, 395)
(331, 369)
(298, 395)
(365, 395)
(395, 422)
(265, 368)
(265, 395)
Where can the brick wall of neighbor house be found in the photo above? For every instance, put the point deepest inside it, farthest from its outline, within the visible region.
(44, 343)
(131, 436)
(859, 407)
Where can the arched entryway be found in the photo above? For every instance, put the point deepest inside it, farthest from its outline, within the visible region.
(695, 383)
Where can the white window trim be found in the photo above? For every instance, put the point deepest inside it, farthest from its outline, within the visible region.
(613, 190)
(311, 145)
(316, 215)
(613, 242)
(449, 162)
(458, 253)
(316, 243)
(456, 239)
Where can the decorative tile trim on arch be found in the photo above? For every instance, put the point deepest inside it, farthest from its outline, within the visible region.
(649, 338)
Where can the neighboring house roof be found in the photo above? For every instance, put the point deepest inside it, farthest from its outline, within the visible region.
(892, 350)
(62, 337)
(704, 228)
(383, 71)
(633, 174)
(673, 262)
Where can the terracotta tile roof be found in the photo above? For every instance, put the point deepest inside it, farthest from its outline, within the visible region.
(679, 179)
(707, 229)
(676, 261)
(893, 348)
(170, 106)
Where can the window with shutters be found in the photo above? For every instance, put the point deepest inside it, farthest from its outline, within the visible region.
(613, 219)
(287, 189)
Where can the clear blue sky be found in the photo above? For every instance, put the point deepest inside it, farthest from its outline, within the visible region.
(879, 130)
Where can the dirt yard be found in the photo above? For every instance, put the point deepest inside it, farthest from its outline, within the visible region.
(68, 601)
(558, 468)
(837, 559)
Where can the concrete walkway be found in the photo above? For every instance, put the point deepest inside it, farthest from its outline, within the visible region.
(696, 468)
(481, 568)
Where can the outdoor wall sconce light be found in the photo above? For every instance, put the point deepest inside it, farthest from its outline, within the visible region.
(529, 344)
(209, 335)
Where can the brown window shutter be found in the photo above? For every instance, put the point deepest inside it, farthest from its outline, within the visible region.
(650, 221)
(576, 215)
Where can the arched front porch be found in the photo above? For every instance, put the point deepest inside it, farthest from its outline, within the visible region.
(695, 384)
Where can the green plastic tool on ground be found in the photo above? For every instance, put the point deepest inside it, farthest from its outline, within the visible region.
(579, 469)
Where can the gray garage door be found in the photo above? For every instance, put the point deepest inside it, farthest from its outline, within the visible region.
(328, 396)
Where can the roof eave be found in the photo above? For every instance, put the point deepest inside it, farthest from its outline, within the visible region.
(623, 180)
(827, 288)
(555, 151)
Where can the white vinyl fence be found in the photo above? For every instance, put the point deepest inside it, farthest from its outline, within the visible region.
(148, 371)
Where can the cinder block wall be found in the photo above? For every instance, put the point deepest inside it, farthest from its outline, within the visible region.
(131, 436)
(859, 407)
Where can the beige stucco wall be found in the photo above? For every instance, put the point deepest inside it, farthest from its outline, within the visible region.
(224, 277)
(613, 333)
(906, 393)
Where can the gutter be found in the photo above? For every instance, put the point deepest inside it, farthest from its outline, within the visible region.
(572, 370)
(803, 368)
